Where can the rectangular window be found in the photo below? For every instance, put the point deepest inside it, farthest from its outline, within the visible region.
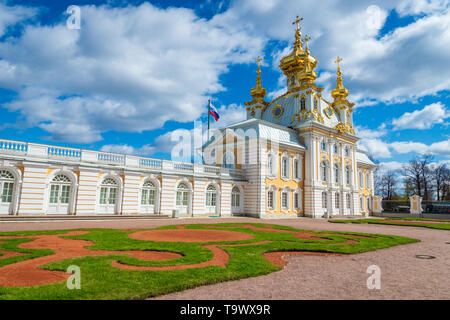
(324, 200)
(235, 200)
(296, 169)
(144, 197)
(337, 201)
(284, 167)
(7, 192)
(103, 195)
(296, 200)
(284, 200)
(65, 194)
(151, 197)
(270, 199)
(112, 196)
(54, 191)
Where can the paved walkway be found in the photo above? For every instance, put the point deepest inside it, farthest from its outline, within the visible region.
(403, 276)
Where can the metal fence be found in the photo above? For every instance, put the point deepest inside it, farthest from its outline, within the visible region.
(396, 206)
(436, 207)
(404, 206)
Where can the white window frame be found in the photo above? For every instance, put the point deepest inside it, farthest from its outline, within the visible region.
(361, 179)
(286, 175)
(337, 176)
(287, 192)
(348, 199)
(348, 175)
(337, 201)
(273, 190)
(324, 200)
(274, 172)
(297, 196)
(324, 171)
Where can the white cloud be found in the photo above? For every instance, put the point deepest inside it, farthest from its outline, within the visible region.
(11, 15)
(416, 7)
(127, 69)
(441, 148)
(165, 143)
(375, 147)
(422, 119)
(403, 65)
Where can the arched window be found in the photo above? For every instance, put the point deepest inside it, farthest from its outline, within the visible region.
(182, 194)
(323, 168)
(368, 204)
(347, 175)
(252, 114)
(324, 145)
(347, 152)
(337, 201)
(336, 173)
(361, 204)
(303, 103)
(349, 203)
(108, 191)
(211, 196)
(292, 80)
(324, 200)
(148, 193)
(235, 197)
(7, 181)
(60, 189)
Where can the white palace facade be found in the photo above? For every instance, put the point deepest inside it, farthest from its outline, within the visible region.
(293, 156)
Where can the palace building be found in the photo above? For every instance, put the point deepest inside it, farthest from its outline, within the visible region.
(294, 156)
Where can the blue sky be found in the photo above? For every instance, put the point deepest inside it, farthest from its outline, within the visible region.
(136, 71)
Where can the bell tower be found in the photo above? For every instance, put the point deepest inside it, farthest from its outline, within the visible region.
(342, 106)
(256, 107)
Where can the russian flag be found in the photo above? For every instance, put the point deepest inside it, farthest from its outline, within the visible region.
(213, 111)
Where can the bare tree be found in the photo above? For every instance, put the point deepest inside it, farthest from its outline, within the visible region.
(441, 179)
(387, 184)
(418, 175)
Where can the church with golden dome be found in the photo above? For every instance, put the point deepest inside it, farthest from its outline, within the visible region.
(294, 156)
(305, 157)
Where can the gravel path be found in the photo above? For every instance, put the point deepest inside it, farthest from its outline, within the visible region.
(403, 276)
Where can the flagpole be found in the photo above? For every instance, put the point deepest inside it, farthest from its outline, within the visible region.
(209, 108)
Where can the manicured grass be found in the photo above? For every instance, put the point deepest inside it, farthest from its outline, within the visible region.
(441, 226)
(100, 280)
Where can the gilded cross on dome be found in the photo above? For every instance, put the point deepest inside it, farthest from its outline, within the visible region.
(337, 61)
(258, 61)
(297, 22)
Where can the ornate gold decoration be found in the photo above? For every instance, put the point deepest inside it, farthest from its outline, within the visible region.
(344, 128)
(274, 110)
(328, 111)
(258, 92)
(298, 66)
(340, 93)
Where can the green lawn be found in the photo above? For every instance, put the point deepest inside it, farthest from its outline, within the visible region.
(100, 280)
(389, 221)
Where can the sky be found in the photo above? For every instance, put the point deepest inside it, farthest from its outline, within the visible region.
(136, 71)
